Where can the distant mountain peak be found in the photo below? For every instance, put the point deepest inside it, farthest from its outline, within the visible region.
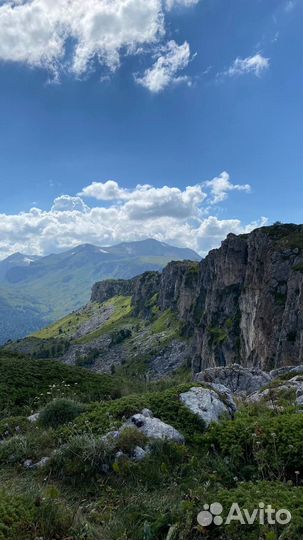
(35, 291)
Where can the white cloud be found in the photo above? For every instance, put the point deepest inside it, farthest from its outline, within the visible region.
(69, 34)
(66, 203)
(220, 186)
(168, 214)
(172, 60)
(170, 4)
(252, 64)
(147, 201)
(104, 191)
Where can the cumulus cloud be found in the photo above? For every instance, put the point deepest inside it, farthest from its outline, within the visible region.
(168, 214)
(147, 201)
(256, 64)
(173, 59)
(221, 185)
(104, 191)
(66, 203)
(69, 34)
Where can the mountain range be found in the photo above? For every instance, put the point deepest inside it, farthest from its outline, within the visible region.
(242, 304)
(36, 291)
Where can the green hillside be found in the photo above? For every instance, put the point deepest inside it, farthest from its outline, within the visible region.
(82, 491)
(35, 293)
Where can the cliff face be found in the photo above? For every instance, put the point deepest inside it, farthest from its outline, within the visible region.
(250, 298)
(243, 303)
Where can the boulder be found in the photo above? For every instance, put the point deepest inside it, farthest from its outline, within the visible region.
(238, 379)
(207, 404)
(226, 394)
(153, 428)
(274, 394)
(279, 372)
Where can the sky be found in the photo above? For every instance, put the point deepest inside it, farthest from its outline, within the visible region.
(120, 120)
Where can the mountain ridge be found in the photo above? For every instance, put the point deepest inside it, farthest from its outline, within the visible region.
(242, 304)
(36, 293)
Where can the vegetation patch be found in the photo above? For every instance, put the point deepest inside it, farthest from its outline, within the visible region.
(26, 385)
(58, 412)
(68, 326)
(122, 309)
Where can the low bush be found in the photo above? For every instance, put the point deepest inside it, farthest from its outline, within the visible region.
(31, 516)
(129, 439)
(16, 516)
(267, 445)
(29, 384)
(58, 412)
(81, 459)
(249, 495)
(14, 450)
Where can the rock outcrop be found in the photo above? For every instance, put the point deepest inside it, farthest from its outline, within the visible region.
(207, 404)
(237, 379)
(242, 304)
(153, 428)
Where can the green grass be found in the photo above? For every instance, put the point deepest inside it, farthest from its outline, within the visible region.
(26, 384)
(166, 322)
(122, 310)
(286, 235)
(68, 326)
(85, 494)
(165, 404)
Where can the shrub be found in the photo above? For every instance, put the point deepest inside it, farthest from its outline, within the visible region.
(33, 516)
(14, 450)
(249, 495)
(20, 378)
(129, 439)
(58, 412)
(270, 445)
(165, 405)
(16, 516)
(81, 459)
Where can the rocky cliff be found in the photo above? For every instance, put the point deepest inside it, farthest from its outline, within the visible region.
(243, 303)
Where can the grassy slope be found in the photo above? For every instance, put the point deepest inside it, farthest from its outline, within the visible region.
(246, 460)
(122, 310)
(145, 340)
(68, 325)
(24, 383)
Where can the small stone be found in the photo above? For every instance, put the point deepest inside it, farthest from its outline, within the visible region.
(33, 417)
(139, 453)
(44, 461)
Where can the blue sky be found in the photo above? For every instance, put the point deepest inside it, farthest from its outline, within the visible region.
(180, 95)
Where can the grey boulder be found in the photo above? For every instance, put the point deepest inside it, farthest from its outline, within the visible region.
(207, 404)
(153, 428)
(238, 379)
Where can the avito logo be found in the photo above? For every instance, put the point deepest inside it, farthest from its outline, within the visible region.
(211, 514)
